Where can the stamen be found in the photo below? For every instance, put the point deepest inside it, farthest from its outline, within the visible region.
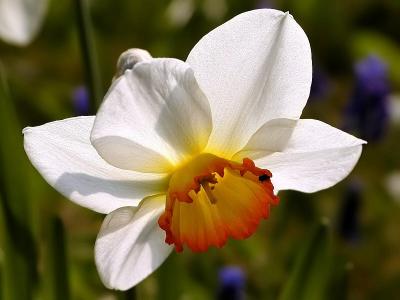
(208, 190)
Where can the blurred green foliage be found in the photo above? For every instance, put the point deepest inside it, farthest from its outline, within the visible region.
(46, 242)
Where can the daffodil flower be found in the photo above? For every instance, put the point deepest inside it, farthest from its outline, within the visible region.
(189, 154)
(20, 20)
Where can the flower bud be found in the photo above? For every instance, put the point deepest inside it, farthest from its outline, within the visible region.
(129, 58)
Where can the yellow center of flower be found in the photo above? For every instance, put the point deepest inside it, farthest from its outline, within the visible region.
(210, 199)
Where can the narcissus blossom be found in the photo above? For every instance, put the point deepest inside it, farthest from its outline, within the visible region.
(20, 20)
(188, 154)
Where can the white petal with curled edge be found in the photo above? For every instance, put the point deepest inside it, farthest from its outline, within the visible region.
(254, 68)
(153, 116)
(314, 156)
(273, 136)
(20, 20)
(62, 153)
(130, 244)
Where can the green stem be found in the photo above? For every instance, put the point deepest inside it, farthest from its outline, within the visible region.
(92, 73)
(19, 273)
(311, 273)
(57, 266)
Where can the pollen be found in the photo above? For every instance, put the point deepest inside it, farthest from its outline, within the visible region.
(211, 199)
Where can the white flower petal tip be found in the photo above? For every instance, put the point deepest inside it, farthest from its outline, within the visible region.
(253, 68)
(130, 245)
(153, 116)
(62, 153)
(129, 58)
(20, 20)
(303, 155)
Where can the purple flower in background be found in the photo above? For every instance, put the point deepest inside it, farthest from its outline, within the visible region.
(231, 283)
(80, 101)
(348, 225)
(320, 85)
(265, 4)
(367, 112)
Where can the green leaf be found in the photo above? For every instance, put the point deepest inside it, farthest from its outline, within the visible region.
(311, 274)
(19, 264)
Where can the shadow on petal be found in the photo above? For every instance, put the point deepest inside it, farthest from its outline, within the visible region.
(141, 247)
(128, 189)
(126, 154)
(184, 122)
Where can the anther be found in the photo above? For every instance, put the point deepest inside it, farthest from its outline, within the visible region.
(208, 190)
(263, 177)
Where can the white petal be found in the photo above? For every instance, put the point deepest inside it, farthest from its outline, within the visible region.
(253, 68)
(62, 153)
(152, 117)
(309, 157)
(273, 136)
(20, 20)
(130, 245)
